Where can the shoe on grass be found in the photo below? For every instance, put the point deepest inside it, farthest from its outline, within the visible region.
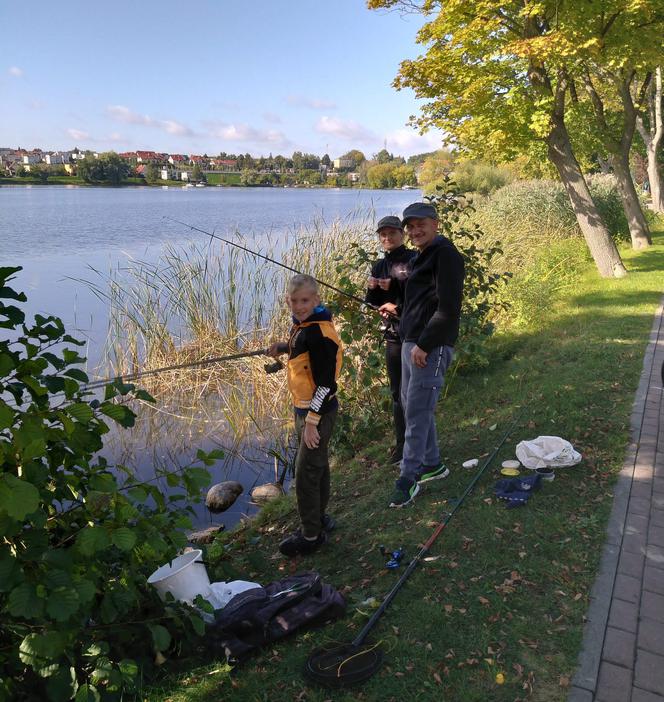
(328, 522)
(396, 454)
(296, 544)
(404, 492)
(428, 473)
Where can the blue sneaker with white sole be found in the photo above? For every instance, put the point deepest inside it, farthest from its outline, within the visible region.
(404, 492)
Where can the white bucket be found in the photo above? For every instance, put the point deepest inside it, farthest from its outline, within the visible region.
(184, 577)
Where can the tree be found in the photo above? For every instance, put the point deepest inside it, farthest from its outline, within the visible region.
(649, 124)
(383, 156)
(498, 78)
(325, 161)
(435, 168)
(40, 171)
(152, 173)
(196, 173)
(108, 168)
(357, 157)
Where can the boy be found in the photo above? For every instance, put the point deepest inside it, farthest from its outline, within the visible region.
(428, 328)
(386, 284)
(314, 361)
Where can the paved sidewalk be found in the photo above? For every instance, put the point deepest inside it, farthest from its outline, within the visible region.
(622, 658)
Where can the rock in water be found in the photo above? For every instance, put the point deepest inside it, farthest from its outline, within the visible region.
(266, 493)
(222, 495)
(205, 536)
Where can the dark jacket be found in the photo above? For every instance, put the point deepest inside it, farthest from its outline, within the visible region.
(432, 302)
(314, 362)
(396, 266)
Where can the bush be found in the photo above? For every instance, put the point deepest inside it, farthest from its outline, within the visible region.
(78, 619)
(527, 215)
(479, 177)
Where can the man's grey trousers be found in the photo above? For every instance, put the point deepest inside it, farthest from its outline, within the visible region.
(420, 388)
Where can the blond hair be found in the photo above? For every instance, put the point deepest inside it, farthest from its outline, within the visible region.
(301, 280)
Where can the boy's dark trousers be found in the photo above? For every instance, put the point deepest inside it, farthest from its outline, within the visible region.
(393, 363)
(312, 475)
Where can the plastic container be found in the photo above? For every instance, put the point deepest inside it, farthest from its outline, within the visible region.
(546, 473)
(185, 577)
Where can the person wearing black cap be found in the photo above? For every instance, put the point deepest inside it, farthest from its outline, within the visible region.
(386, 284)
(428, 328)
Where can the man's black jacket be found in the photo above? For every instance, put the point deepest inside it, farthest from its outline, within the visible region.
(394, 265)
(432, 301)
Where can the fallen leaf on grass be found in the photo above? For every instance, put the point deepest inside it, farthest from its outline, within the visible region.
(483, 600)
(563, 681)
(438, 679)
(448, 608)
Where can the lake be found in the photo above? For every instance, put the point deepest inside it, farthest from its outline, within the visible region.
(62, 234)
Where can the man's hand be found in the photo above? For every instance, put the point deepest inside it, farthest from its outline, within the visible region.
(389, 309)
(310, 436)
(419, 357)
(384, 283)
(372, 282)
(274, 351)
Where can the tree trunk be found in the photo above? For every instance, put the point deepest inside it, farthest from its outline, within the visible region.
(638, 227)
(652, 136)
(602, 247)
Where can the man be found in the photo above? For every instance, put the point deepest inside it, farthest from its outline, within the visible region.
(386, 284)
(428, 328)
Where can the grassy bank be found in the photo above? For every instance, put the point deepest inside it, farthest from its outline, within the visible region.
(506, 590)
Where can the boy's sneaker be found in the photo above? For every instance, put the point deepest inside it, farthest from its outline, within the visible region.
(404, 492)
(428, 473)
(396, 454)
(328, 522)
(296, 544)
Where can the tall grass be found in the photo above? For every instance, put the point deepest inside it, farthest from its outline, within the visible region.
(206, 301)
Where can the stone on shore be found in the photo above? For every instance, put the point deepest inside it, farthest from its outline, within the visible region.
(205, 536)
(266, 493)
(222, 495)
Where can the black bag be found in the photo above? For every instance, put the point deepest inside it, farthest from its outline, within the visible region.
(264, 614)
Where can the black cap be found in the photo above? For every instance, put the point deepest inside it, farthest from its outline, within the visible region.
(419, 210)
(389, 221)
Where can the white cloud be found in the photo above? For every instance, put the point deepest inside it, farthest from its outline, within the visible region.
(247, 133)
(78, 135)
(15, 71)
(344, 129)
(408, 141)
(311, 103)
(272, 118)
(123, 114)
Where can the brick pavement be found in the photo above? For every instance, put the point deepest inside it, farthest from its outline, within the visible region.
(622, 657)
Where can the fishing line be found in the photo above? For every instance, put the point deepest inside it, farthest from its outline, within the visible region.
(359, 300)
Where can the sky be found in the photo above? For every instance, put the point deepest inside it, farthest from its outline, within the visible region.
(206, 76)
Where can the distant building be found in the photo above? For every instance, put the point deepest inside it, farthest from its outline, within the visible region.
(342, 163)
(148, 157)
(177, 158)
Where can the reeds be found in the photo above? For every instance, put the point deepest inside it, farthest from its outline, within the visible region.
(205, 301)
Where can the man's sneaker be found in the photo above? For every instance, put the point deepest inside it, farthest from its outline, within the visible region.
(328, 522)
(396, 454)
(296, 544)
(428, 473)
(404, 492)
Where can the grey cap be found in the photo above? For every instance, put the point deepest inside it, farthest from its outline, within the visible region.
(419, 210)
(389, 221)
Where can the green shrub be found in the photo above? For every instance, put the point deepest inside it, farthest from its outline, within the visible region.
(532, 292)
(480, 177)
(78, 619)
(527, 215)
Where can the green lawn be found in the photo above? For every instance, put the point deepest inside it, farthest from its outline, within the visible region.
(507, 590)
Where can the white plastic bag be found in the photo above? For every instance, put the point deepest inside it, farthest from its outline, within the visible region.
(547, 452)
(222, 593)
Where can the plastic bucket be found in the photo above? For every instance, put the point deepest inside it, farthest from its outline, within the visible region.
(184, 577)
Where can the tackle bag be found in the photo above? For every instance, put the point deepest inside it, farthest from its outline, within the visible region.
(265, 614)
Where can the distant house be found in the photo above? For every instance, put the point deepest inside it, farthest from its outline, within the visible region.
(198, 160)
(140, 170)
(128, 155)
(353, 177)
(57, 158)
(342, 163)
(35, 156)
(148, 157)
(177, 158)
(224, 165)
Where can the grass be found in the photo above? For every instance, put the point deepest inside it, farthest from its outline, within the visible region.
(505, 591)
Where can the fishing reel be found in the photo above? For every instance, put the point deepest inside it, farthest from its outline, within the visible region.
(273, 367)
(395, 557)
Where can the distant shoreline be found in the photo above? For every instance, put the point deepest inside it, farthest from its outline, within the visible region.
(19, 181)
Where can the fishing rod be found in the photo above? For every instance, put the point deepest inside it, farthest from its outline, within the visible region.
(269, 368)
(355, 298)
(355, 662)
